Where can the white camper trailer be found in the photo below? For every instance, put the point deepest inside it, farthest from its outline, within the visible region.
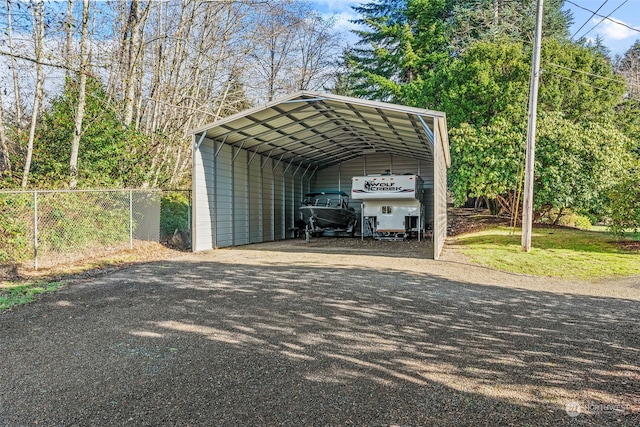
(392, 205)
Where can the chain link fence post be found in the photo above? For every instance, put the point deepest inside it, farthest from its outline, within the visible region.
(35, 230)
(130, 219)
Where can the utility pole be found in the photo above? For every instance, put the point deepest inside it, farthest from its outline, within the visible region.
(527, 204)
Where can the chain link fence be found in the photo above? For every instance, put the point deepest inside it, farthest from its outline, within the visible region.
(46, 228)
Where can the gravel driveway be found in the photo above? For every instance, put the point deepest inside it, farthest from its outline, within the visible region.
(288, 334)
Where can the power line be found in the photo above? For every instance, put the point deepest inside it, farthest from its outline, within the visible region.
(589, 74)
(588, 19)
(605, 17)
(589, 84)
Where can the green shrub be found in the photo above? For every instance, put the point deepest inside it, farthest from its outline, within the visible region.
(567, 218)
(572, 219)
(583, 222)
(174, 213)
(79, 220)
(15, 226)
(623, 205)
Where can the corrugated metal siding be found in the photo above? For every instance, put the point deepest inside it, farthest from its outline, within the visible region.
(240, 199)
(325, 179)
(378, 164)
(255, 200)
(203, 198)
(279, 204)
(298, 192)
(289, 199)
(426, 173)
(439, 196)
(224, 197)
(370, 164)
(267, 199)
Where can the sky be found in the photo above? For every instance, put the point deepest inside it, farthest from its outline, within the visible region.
(615, 31)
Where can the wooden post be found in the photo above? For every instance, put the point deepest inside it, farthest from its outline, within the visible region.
(527, 208)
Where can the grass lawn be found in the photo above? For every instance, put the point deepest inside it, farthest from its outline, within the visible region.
(556, 252)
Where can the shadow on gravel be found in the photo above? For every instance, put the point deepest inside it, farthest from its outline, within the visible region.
(206, 343)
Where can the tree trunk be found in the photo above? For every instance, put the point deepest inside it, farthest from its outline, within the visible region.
(274, 42)
(313, 63)
(494, 206)
(5, 164)
(82, 96)
(559, 216)
(38, 15)
(68, 46)
(137, 18)
(14, 70)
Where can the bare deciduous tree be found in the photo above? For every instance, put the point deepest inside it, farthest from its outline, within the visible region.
(82, 95)
(38, 34)
(5, 164)
(293, 49)
(313, 63)
(132, 47)
(68, 45)
(167, 66)
(13, 65)
(275, 37)
(629, 67)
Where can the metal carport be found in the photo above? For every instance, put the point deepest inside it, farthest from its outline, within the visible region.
(250, 170)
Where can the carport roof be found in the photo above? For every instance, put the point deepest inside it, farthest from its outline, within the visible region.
(318, 130)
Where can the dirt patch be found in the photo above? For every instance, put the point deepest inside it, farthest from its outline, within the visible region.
(90, 265)
(470, 220)
(627, 245)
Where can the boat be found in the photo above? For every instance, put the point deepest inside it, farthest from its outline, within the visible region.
(323, 210)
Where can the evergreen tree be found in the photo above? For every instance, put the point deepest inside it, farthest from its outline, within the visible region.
(404, 41)
(491, 20)
(578, 81)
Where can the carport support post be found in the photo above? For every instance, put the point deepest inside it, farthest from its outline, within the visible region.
(362, 221)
